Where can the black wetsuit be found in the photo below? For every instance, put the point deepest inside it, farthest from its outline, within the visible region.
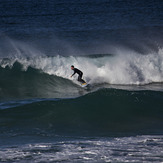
(80, 73)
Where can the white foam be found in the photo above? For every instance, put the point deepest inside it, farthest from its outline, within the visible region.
(145, 148)
(124, 68)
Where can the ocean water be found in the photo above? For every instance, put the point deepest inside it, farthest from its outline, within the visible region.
(46, 116)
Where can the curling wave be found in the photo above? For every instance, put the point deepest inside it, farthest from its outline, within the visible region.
(128, 69)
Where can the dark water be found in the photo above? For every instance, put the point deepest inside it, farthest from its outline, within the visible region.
(46, 116)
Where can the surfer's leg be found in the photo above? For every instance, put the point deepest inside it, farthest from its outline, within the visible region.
(80, 78)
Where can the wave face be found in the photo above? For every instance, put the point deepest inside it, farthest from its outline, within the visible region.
(101, 112)
(49, 77)
(16, 83)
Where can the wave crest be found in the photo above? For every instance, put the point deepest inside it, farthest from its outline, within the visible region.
(128, 69)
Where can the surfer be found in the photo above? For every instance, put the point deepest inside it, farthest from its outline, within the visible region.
(80, 73)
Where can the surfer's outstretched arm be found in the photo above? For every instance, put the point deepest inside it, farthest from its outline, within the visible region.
(73, 74)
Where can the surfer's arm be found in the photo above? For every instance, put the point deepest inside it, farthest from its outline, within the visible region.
(73, 74)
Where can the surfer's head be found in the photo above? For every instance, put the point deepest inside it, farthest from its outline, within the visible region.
(72, 67)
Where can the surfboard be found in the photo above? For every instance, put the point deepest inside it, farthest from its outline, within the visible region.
(84, 84)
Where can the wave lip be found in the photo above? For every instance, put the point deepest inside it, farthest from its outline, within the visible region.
(124, 68)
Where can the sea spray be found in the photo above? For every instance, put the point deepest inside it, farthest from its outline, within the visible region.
(126, 69)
